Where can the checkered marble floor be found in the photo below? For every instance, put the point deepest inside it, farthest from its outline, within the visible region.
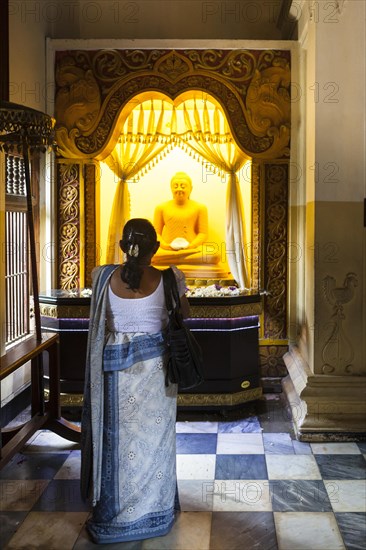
(244, 482)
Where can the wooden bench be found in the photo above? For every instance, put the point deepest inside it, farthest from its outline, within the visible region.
(44, 414)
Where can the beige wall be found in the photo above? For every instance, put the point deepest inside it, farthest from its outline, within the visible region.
(340, 186)
(164, 19)
(27, 32)
(332, 165)
(340, 104)
(28, 28)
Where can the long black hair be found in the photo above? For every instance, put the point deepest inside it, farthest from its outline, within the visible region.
(138, 240)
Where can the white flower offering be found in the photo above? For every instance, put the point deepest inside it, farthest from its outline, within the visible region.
(213, 291)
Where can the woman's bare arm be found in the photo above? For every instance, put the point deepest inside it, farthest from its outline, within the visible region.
(184, 306)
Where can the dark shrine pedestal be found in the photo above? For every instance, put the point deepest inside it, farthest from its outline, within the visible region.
(228, 330)
(67, 314)
(226, 327)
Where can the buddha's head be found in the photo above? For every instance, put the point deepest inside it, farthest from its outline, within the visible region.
(181, 186)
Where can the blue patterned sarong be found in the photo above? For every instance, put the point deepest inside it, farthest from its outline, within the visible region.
(138, 487)
(128, 465)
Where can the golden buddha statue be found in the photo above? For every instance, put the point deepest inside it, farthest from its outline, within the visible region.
(182, 227)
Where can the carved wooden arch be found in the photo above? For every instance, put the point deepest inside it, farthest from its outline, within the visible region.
(92, 87)
(253, 88)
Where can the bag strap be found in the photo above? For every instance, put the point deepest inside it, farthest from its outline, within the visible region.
(171, 291)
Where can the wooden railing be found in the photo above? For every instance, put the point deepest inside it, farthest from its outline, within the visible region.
(44, 414)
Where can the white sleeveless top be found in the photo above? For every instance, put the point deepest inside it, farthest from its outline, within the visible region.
(147, 314)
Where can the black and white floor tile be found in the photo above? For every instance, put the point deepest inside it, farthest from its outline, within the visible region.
(242, 485)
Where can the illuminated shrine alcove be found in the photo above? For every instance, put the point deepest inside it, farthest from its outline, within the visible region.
(157, 137)
(101, 96)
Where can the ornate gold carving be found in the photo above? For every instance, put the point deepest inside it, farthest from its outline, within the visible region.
(337, 352)
(48, 311)
(236, 66)
(109, 65)
(69, 223)
(230, 312)
(93, 87)
(218, 399)
(205, 312)
(268, 104)
(78, 100)
(90, 236)
(256, 229)
(185, 399)
(276, 183)
(212, 281)
(173, 65)
(65, 312)
(271, 360)
(68, 399)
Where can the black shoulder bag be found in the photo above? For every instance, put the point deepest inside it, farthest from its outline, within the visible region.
(185, 365)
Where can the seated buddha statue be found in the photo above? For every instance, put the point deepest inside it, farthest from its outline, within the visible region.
(182, 227)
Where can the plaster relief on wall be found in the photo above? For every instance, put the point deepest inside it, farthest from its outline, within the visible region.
(338, 353)
(340, 5)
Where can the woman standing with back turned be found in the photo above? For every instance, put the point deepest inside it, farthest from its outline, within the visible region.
(128, 426)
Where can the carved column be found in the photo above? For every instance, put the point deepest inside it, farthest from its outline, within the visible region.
(68, 185)
(257, 215)
(90, 256)
(76, 223)
(275, 250)
(274, 223)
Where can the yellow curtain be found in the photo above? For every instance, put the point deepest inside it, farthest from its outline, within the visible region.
(138, 146)
(204, 132)
(210, 137)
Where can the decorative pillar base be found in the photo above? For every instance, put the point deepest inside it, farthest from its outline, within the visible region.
(324, 407)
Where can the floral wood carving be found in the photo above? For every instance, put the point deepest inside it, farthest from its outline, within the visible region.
(69, 225)
(268, 103)
(256, 228)
(90, 230)
(275, 276)
(173, 66)
(271, 360)
(77, 101)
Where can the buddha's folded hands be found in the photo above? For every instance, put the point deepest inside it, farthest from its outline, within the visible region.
(179, 243)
